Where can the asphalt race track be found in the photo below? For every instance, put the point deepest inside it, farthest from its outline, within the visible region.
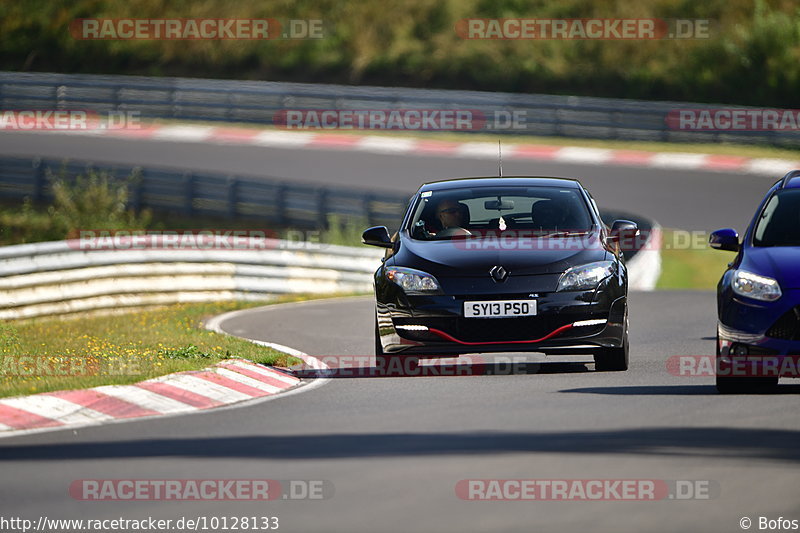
(690, 200)
(394, 448)
(391, 450)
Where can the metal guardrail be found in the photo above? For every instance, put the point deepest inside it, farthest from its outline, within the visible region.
(64, 277)
(53, 278)
(59, 278)
(259, 102)
(272, 201)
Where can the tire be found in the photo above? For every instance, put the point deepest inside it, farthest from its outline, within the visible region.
(743, 385)
(726, 385)
(614, 359)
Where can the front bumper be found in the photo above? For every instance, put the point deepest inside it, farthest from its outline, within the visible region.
(759, 338)
(435, 325)
(768, 328)
(746, 354)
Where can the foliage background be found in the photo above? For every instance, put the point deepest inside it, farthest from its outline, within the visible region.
(752, 58)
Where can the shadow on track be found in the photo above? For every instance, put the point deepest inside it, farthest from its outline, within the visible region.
(359, 367)
(745, 444)
(677, 390)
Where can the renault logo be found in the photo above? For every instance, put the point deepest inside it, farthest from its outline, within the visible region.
(498, 273)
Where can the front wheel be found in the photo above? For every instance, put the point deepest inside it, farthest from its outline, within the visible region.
(742, 384)
(748, 385)
(612, 359)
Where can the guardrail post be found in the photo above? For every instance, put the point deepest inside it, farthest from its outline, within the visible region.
(231, 189)
(557, 123)
(280, 202)
(136, 195)
(322, 207)
(38, 180)
(173, 102)
(115, 97)
(188, 193)
(368, 209)
(615, 122)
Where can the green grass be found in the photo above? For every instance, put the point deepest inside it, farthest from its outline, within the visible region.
(120, 348)
(685, 267)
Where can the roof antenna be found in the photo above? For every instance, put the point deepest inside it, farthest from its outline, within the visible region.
(499, 159)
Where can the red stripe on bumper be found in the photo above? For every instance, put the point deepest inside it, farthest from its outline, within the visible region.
(550, 335)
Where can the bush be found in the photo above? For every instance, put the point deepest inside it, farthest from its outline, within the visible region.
(94, 200)
(752, 56)
(344, 231)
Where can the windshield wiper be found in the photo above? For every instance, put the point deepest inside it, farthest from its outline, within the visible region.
(565, 234)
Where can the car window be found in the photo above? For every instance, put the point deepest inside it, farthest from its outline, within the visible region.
(447, 213)
(779, 222)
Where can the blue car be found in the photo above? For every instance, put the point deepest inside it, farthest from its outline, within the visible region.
(758, 297)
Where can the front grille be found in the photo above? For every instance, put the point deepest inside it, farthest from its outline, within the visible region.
(497, 329)
(506, 329)
(757, 350)
(787, 327)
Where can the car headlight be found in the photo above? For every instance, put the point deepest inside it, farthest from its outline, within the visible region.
(412, 281)
(585, 277)
(754, 286)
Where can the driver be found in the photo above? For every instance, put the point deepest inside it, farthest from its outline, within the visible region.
(450, 214)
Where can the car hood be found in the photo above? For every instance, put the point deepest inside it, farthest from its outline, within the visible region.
(779, 262)
(456, 258)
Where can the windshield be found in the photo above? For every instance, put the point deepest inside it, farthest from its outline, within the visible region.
(779, 223)
(544, 211)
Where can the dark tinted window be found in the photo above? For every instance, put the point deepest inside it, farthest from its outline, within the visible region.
(447, 213)
(779, 223)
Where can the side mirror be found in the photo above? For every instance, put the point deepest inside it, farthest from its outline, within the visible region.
(724, 239)
(623, 229)
(377, 236)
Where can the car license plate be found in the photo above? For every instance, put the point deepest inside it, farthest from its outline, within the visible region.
(499, 308)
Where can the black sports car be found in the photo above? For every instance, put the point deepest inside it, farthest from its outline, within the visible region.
(502, 265)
